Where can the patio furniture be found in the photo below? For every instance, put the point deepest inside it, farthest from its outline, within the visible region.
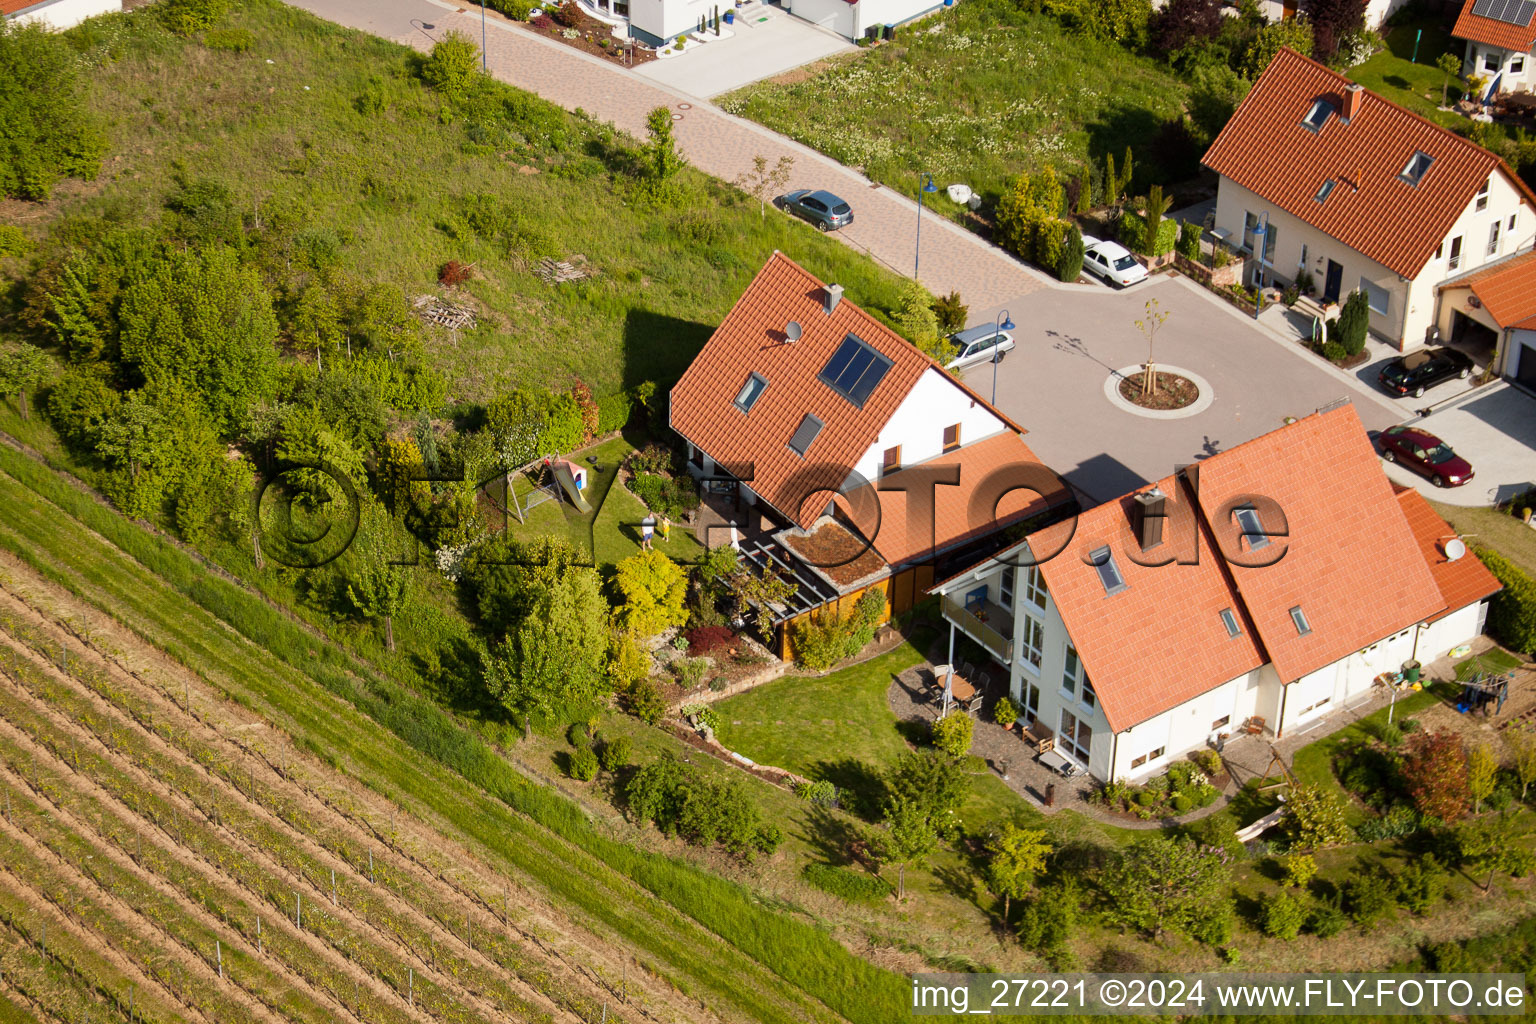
(1039, 736)
(1254, 726)
(1059, 764)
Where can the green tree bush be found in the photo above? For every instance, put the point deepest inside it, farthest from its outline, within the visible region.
(1069, 267)
(951, 312)
(1159, 884)
(952, 734)
(1314, 819)
(376, 586)
(1295, 33)
(1284, 914)
(1015, 857)
(453, 68)
(1370, 896)
(185, 17)
(1436, 770)
(1512, 612)
(23, 371)
(1421, 884)
(48, 134)
(652, 589)
(1298, 869)
(1354, 322)
(906, 838)
(616, 755)
(919, 324)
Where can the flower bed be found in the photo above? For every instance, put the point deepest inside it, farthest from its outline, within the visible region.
(1187, 786)
(1171, 392)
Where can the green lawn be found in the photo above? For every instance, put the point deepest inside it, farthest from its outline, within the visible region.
(1498, 530)
(975, 95)
(1414, 84)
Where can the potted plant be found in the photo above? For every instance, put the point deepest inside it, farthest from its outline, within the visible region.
(1004, 713)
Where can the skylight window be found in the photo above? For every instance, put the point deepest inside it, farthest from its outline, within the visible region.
(1326, 191)
(751, 391)
(1253, 531)
(855, 370)
(1303, 627)
(1230, 621)
(804, 434)
(1418, 166)
(1109, 573)
(1317, 115)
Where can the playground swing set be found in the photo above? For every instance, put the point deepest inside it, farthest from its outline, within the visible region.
(562, 475)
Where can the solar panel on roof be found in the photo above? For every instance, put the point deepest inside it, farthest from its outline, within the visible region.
(1480, 7)
(855, 370)
(1520, 14)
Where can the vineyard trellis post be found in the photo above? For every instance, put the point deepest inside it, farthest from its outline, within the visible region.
(333, 888)
(259, 950)
(410, 983)
(218, 952)
(372, 879)
(298, 912)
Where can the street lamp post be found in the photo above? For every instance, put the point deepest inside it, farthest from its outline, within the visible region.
(929, 187)
(1003, 323)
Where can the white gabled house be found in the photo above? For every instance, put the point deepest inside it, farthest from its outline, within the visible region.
(1500, 37)
(1254, 587)
(56, 14)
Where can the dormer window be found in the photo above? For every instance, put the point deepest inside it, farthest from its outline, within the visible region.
(804, 434)
(1327, 190)
(751, 391)
(1299, 619)
(1317, 115)
(1103, 560)
(1418, 166)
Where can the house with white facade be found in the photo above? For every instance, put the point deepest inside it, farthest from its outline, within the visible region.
(1501, 43)
(1374, 16)
(856, 18)
(1252, 589)
(1494, 307)
(854, 460)
(1323, 178)
(655, 22)
(56, 14)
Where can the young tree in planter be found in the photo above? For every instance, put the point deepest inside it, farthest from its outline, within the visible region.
(1017, 855)
(1004, 713)
(1436, 770)
(21, 372)
(907, 838)
(1449, 63)
(1149, 326)
(761, 182)
(1354, 322)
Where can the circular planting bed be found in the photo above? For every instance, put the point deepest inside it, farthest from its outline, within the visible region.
(1171, 392)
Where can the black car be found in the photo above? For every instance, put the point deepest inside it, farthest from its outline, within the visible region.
(821, 208)
(1413, 373)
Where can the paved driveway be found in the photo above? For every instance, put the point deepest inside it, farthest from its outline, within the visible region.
(764, 42)
(1069, 342)
(1494, 428)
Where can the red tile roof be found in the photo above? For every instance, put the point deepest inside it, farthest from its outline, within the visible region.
(1494, 32)
(1160, 641)
(1507, 289)
(1462, 582)
(751, 338)
(1266, 149)
(1350, 561)
(8, 7)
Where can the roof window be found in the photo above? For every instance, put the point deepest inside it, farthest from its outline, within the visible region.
(1229, 620)
(855, 370)
(1317, 115)
(804, 434)
(1299, 617)
(751, 391)
(1253, 531)
(1326, 191)
(1109, 573)
(1418, 166)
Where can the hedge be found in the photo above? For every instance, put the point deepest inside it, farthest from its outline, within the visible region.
(1132, 232)
(1512, 613)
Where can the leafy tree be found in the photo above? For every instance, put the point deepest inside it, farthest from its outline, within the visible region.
(1214, 94)
(1158, 884)
(1298, 869)
(317, 324)
(80, 405)
(1047, 920)
(1124, 21)
(1154, 206)
(1293, 32)
(1314, 819)
(652, 588)
(662, 159)
(1482, 775)
(141, 441)
(951, 312)
(1354, 322)
(907, 838)
(453, 68)
(1521, 742)
(1284, 914)
(1436, 770)
(48, 133)
(1184, 23)
(615, 755)
(1015, 857)
(553, 658)
(952, 734)
(1149, 325)
(1450, 64)
(918, 323)
(762, 182)
(1332, 21)
(1070, 266)
(1421, 884)
(1486, 844)
(928, 780)
(377, 588)
(23, 371)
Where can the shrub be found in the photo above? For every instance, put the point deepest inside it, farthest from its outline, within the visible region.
(1354, 322)
(1205, 794)
(679, 800)
(651, 587)
(48, 132)
(1436, 770)
(1396, 822)
(1421, 884)
(1188, 244)
(613, 412)
(704, 640)
(1146, 798)
(187, 16)
(1512, 613)
(1183, 775)
(645, 702)
(824, 639)
(1290, 295)
(583, 764)
(673, 497)
(568, 14)
(453, 274)
(819, 792)
(845, 883)
(689, 671)
(1208, 761)
(1069, 267)
(952, 734)
(1335, 352)
(950, 312)
(1370, 896)
(230, 40)
(1314, 819)
(615, 755)
(1284, 914)
(653, 458)
(1297, 869)
(453, 67)
(13, 241)
(1327, 918)
(1181, 803)
(1004, 713)
(1047, 920)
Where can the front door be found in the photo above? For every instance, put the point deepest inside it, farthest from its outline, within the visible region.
(1334, 282)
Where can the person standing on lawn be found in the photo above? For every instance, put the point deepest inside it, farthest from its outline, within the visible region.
(666, 529)
(647, 530)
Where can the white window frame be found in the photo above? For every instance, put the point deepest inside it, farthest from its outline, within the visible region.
(1250, 225)
(1493, 237)
(1482, 198)
(1371, 290)
(1031, 642)
(1454, 259)
(1516, 64)
(1492, 61)
(1074, 680)
(1034, 587)
(1005, 586)
(1068, 738)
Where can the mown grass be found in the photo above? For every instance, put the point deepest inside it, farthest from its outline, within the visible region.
(1415, 84)
(281, 126)
(975, 95)
(318, 692)
(1504, 533)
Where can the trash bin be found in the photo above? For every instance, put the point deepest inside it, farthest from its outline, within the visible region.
(1411, 671)
(730, 17)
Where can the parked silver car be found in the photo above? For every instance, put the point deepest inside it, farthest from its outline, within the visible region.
(979, 345)
(821, 208)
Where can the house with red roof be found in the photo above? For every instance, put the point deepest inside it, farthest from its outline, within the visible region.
(1247, 589)
(1325, 180)
(1495, 307)
(1500, 37)
(854, 459)
(56, 14)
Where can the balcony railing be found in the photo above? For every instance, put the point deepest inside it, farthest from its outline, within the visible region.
(994, 632)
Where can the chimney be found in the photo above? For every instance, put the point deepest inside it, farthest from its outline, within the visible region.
(831, 297)
(1353, 94)
(792, 331)
(1147, 514)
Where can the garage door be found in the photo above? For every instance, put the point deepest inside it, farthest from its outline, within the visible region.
(1525, 373)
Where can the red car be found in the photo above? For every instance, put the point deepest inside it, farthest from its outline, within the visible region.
(1423, 451)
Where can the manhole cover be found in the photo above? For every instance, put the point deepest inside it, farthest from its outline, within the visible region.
(677, 117)
(685, 106)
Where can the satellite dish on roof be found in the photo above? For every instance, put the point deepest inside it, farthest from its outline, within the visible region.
(1455, 548)
(792, 330)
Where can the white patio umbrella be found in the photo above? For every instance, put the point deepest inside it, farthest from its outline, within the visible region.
(949, 688)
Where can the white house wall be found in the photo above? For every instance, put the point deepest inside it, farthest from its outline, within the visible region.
(1513, 65)
(1522, 346)
(667, 19)
(62, 14)
(892, 12)
(1191, 725)
(840, 17)
(918, 423)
